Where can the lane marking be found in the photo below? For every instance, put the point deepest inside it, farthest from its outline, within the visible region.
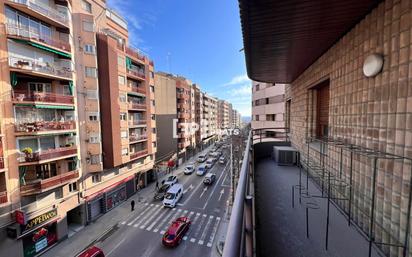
(140, 215)
(152, 216)
(214, 230)
(214, 188)
(165, 219)
(150, 227)
(145, 216)
(206, 228)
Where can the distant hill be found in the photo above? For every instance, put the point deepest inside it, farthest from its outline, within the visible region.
(246, 119)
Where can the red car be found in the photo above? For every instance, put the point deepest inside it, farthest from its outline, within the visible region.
(92, 252)
(174, 235)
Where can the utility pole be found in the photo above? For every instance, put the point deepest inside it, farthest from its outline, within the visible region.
(231, 172)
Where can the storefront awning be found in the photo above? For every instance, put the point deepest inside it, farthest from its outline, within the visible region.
(45, 106)
(43, 47)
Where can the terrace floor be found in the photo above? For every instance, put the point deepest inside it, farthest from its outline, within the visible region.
(281, 229)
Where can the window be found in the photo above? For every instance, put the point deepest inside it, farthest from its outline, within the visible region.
(94, 139)
(95, 159)
(91, 94)
(94, 116)
(257, 117)
(270, 117)
(257, 87)
(152, 89)
(287, 113)
(121, 80)
(125, 151)
(152, 74)
(266, 100)
(154, 144)
(154, 130)
(153, 116)
(86, 6)
(123, 116)
(123, 134)
(73, 187)
(88, 26)
(153, 103)
(89, 49)
(122, 98)
(96, 178)
(120, 60)
(66, 90)
(90, 72)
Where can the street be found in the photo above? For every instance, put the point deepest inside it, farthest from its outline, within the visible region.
(141, 232)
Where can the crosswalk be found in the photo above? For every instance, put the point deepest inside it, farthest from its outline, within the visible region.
(154, 218)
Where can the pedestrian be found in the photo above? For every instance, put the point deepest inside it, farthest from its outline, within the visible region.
(157, 185)
(132, 204)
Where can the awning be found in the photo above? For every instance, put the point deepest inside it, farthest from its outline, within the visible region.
(13, 79)
(46, 48)
(128, 62)
(46, 106)
(71, 87)
(136, 94)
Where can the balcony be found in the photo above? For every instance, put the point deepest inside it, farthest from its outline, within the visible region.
(41, 185)
(14, 31)
(1, 162)
(42, 12)
(138, 154)
(133, 123)
(48, 155)
(3, 197)
(137, 106)
(136, 73)
(135, 53)
(23, 96)
(182, 96)
(40, 127)
(34, 67)
(183, 115)
(134, 138)
(140, 90)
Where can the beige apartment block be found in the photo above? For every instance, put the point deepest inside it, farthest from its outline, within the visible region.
(268, 105)
(223, 114)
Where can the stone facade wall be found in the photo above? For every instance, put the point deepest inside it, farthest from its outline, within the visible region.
(374, 113)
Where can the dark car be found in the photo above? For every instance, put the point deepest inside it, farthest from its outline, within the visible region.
(175, 233)
(209, 179)
(92, 252)
(160, 193)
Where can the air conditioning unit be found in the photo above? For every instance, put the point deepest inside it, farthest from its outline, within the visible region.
(285, 155)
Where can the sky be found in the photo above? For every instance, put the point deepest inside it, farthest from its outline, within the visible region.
(200, 40)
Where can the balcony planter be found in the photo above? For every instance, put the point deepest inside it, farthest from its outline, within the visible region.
(28, 152)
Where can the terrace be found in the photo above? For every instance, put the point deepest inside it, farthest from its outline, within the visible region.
(54, 70)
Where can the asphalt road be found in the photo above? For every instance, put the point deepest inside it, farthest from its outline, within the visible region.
(140, 235)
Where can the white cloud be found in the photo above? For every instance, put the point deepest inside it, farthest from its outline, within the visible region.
(245, 90)
(238, 80)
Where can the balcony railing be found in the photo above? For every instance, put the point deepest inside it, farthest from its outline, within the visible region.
(48, 154)
(137, 73)
(25, 33)
(40, 126)
(140, 90)
(3, 197)
(137, 122)
(22, 95)
(44, 10)
(138, 154)
(41, 185)
(135, 53)
(133, 105)
(53, 69)
(1, 162)
(240, 231)
(135, 138)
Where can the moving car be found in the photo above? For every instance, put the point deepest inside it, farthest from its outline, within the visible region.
(92, 252)
(219, 153)
(189, 169)
(201, 170)
(175, 233)
(222, 160)
(210, 162)
(171, 180)
(209, 179)
(173, 195)
(160, 193)
(201, 158)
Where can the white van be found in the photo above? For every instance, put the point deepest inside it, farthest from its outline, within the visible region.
(173, 195)
(201, 158)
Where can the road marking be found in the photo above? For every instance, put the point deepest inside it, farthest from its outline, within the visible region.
(138, 216)
(165, 219)
(146, 215)
(149, 218)
(176, 213)
(188, 189)
(200, 242)
(192, 240)
(192, 193)
(214, 230)
(197, 232)
(214, 188)
(204, 190)
(150, 227)
(203, 236)
(115, 247)
(221, 193)
(185, 238)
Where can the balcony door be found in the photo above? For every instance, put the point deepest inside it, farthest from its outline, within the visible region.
(322, 110)
(40, 87)
(44, 171)
(47, 143)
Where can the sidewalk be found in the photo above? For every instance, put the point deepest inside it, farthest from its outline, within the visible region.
(107, 223)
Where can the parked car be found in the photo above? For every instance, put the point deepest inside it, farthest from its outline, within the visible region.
(160, 193)
(219, 153)
(175, 233)
(201, 170)
(209, 179)
(222, 160)
(201, 158)
(171, 180)
(92, 252)
(189, 169)
(209, 163)
(173, 195)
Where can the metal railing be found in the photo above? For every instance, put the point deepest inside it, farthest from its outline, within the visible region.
(137, 122)
(269, 134)
(136, 89)
(137, 105)
(240, 232)
(39, 126)
(135, 53)
(48, 154)
(138, 154)
(27, 34)
(135, 138)
(137, 73)
(23, 95)
(38, 186)
(45, 10)
(53, 69)
(3, 197)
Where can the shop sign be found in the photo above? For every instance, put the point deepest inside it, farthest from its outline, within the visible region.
(41, 219)
(21, 217)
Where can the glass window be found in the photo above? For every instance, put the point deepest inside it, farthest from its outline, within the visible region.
(88, 26)
(92, 94)
(89, 49)
(95, 159)
(86, 6)
(121, 80)
(123, 134)
(90, 72)
(120, 60)
(123, 116)
(125, 151)
(47, 143)
(94, 139)
(93, 116)
(152, 89)
(96, 178)
(73, 187)
(122, 98)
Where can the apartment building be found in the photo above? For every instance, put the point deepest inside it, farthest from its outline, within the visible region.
(65, 156)
(200, 128)
(268, 105)
(349, 102)
(222, 114)
(210, 119)
(39, 162)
